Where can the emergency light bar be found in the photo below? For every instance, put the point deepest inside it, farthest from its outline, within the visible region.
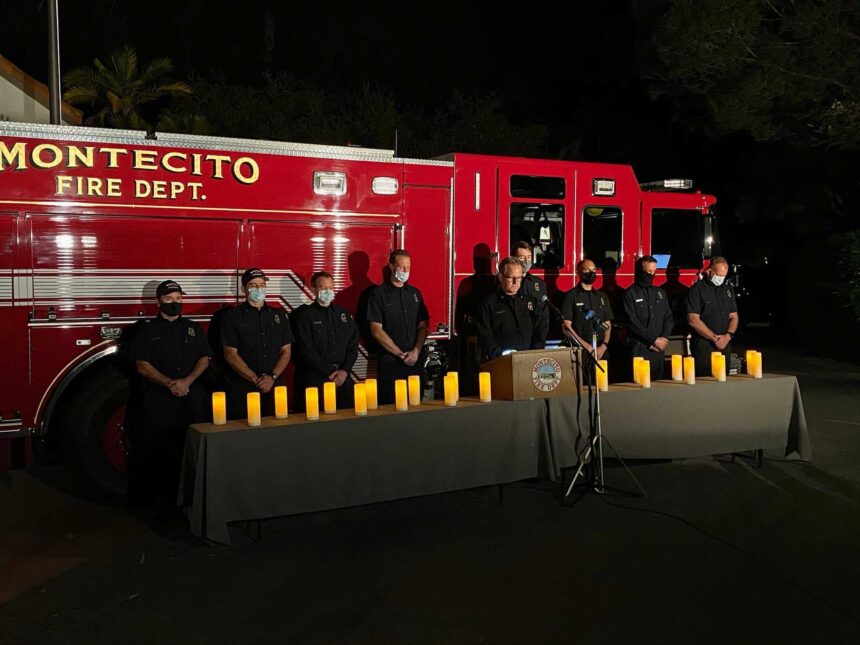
(668, 184)
(603, 187)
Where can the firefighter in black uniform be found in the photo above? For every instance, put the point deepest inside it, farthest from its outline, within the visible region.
(712, 314)
(398, 321)
(582, 299)
(510, 319)
(170, 353)
(648, 315)
(326, 344)
(256, 339)
(532, 285)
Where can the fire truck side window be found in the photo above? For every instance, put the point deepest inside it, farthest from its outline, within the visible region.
(542, 225)
(533, 187)
(677, 238)
(601, 235)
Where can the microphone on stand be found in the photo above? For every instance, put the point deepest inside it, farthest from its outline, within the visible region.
(591, 316)
(555, 310)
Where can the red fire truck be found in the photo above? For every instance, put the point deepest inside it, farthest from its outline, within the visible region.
(91, 220)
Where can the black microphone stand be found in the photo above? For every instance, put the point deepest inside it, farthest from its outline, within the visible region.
(596, 438)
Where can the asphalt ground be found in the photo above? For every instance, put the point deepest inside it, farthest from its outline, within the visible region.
(718, 551)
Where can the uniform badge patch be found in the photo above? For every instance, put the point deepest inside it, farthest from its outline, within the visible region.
(729, 293)
(531, 305)
(343, 316)
(191, 331)
(415, 295)
(277, 319)
(537, 286)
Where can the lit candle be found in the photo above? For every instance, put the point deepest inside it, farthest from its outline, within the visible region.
(456, 380)
(689, 370)
(329, 397)
(414, 390)
(219, 408)
(644, 379)
(721, 367)
(603, 376)
(758, 369)
(401, 400)
(715, 363)
(254, 409)
(750, 356)
(312, 403)
(450, 386)
(636, 361)
(677, 367)
(484, 388)
(281, 411)
(360, 391)
(370, 388)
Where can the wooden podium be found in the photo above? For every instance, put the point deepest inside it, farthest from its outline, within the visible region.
(533, 374)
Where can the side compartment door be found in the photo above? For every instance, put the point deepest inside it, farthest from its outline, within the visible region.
(291, 251)
(9, 377)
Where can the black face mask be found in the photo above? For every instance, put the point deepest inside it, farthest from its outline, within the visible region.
(588, 277)
(170, 308)
(644, 279)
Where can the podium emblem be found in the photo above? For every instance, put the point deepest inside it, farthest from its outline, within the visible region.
(546, 374)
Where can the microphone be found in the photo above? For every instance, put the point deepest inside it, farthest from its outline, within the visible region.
(555, 310)
(598, 324)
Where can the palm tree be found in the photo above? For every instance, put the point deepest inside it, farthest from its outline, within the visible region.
(114, 93)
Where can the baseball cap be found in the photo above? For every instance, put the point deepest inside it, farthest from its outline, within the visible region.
(251, 274)
(168, 286)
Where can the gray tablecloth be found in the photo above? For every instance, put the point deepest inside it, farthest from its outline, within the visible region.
(674, 420)
(234, 472)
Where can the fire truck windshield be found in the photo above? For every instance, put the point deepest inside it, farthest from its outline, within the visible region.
(683, 238)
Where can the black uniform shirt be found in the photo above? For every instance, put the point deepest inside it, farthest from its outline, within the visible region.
(258, 335)
(533, 286)
(510, 322)
(171, 347)
(577, 301)
(648, 313)
(713, 304)
(326, 338)
(399, 310)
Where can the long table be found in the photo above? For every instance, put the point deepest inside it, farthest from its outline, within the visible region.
(675, 420)
(234, 472)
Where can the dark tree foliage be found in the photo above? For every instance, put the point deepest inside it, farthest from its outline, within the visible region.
(778, 70)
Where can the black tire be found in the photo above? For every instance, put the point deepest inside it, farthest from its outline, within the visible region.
(94, 402)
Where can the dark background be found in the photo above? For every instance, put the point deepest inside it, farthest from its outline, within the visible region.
(755, 101)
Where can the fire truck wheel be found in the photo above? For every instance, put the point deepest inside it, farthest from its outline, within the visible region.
(94, 437)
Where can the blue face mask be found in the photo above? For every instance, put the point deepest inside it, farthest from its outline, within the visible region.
(401, 276)
(717, 280)
(257, 295)
(325, 296)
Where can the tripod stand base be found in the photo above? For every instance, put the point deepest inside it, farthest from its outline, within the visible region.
(598, 485)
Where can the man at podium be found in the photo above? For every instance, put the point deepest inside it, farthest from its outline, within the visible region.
(510, 318)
